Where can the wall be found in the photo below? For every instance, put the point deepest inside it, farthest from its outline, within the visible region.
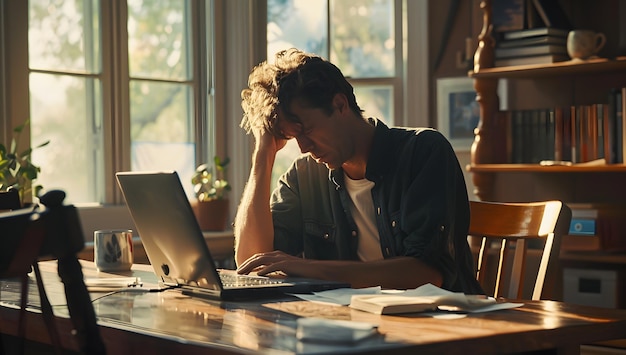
(93, 218)
(466, 23)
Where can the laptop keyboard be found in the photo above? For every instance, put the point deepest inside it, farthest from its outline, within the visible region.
(238, 280)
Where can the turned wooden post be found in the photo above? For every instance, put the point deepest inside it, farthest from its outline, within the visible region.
(489, 139)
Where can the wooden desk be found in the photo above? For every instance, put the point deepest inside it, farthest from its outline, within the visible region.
(167, 322)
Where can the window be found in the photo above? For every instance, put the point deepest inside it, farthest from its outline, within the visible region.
(115, 85)
(65, 84)
(363, 38)
(83, 97)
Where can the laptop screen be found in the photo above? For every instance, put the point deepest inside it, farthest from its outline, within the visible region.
(168, 229)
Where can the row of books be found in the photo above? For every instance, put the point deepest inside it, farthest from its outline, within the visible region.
(577, 134)
(531, 46)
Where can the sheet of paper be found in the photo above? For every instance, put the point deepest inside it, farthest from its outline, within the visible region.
(342, 296)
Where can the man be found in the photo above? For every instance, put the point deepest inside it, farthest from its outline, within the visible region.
(368, 205)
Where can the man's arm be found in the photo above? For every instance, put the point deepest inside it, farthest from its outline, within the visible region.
(254, 229)
(388, 273)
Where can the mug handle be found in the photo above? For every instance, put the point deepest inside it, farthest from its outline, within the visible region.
(601, 41)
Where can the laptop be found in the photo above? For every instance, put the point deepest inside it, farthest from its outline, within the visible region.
(177, 251)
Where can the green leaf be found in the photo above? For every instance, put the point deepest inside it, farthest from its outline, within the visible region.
(26, 153)
(20, 128)
(43, 144)
(29, 171)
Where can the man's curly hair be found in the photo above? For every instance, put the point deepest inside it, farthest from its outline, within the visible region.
(294, 75)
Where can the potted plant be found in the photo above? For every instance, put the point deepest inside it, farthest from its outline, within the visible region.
(17, 171)
(210, 185)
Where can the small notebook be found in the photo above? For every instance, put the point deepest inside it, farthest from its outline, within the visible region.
(394, 304)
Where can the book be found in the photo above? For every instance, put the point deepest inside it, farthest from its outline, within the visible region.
(550, 142)
(508, 15)
(616, 130)
(517, 154)
(552, 14)
(619, 130)
(600, 117)
(396, 303)
(532, 41)
(567, 134)
(583, 133)
(537, 59)
(533, 137)
(575, 142)
(530, 51)
(622, 117)
(534, 32)
(610, 150)
(557, 114)
(607, 140)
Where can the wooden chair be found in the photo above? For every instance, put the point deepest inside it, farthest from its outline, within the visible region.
(512, 226)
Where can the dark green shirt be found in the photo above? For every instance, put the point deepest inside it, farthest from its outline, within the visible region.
(420, 199)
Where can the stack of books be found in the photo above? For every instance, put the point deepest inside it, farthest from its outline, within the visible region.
(531, 46)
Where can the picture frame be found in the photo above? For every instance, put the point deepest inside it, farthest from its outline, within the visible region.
(458, 112)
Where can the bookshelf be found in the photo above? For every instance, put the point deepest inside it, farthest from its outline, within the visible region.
(537, 86)
(543, 86)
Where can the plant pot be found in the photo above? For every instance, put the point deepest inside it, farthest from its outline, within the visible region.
(211, 215)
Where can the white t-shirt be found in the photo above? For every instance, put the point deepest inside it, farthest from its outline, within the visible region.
(362, 208)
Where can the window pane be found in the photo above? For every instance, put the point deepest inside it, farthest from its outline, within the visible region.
(67, 111)
(376, 101)
(284, 158)
(297, 23)
(63, 35)
(162, 128)
(158, 39)
(362, 37)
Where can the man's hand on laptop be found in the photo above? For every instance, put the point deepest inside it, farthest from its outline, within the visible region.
(275, 263)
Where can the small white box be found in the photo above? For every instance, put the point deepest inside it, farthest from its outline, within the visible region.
(590, 287)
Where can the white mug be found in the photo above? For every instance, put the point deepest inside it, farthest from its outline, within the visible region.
(113, 249)
(583, 44)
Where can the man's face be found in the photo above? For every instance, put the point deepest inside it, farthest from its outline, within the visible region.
(323, 136)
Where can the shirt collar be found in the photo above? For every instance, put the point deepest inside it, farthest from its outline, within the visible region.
(377, 161)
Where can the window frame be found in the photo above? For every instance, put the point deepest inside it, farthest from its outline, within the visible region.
(115, 82)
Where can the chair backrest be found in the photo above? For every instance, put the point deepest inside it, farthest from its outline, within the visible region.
(513, 226)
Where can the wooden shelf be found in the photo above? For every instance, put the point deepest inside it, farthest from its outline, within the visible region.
(595, 257)
(600, 65)
(536, 168)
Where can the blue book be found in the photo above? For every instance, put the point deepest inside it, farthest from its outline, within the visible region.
(582, 226)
